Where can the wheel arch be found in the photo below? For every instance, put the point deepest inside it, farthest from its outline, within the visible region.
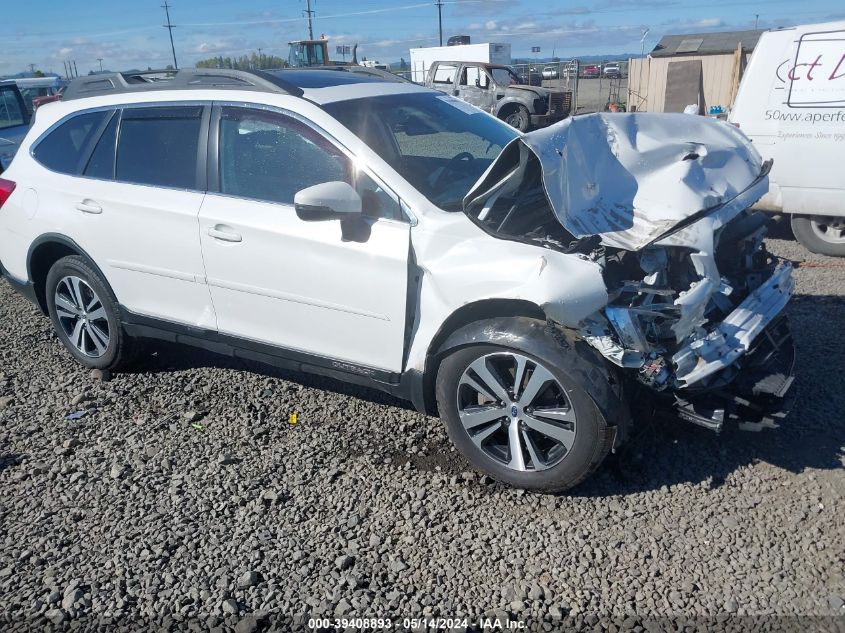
(508, 106)
(45, 251)
(475, 312)
(524, 324)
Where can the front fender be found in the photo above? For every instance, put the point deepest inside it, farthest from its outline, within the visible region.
(510, 100)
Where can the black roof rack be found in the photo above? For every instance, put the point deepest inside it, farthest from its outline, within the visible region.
(183, 79)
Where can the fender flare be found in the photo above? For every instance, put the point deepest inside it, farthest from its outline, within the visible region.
(64, 240)
(575, 357)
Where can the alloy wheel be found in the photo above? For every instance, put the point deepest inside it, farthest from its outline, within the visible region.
(82, 316)
(516, 412)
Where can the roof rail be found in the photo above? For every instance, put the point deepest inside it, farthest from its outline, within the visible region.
(183, 79)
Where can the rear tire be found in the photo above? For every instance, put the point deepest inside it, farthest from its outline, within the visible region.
(85, 315)
(820, 234)
(519, 118)
(560, 435)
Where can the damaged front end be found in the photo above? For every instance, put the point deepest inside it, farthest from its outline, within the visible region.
(661, 203)
(703, 329)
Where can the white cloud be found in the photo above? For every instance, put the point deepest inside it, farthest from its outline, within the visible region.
(709, 23)
(490, 25)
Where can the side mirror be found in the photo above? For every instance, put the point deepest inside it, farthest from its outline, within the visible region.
(334, 200)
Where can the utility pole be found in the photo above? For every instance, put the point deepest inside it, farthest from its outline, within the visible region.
(642, 62)
(75, 69)
(100, 59)
(310, 13)
(31, 68)
(260, 60)
(67, 74)
(756, 19)
(169, 28)
(439, 4)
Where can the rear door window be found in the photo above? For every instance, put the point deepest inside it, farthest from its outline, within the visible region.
(445, 74)
(62, 149)
(159, 146)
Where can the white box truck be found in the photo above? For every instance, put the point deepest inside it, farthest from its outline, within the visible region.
(791, 103)
(489, 53)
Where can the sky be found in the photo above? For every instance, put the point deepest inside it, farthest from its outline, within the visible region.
(130, 34)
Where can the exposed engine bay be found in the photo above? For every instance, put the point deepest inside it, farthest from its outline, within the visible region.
(694, 298)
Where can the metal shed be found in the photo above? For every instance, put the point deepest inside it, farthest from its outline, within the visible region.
(692, 68)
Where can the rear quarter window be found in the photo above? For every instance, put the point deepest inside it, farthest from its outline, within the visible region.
(63, 148)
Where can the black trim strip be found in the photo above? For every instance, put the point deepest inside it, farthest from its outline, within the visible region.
(149, 327)
(202, 149)
(25, 288)
(212, 162)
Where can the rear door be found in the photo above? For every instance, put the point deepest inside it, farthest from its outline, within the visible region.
(292, 283)
(134, 206)
(444, 77)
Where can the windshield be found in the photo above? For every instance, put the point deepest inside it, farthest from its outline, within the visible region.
(437, 143)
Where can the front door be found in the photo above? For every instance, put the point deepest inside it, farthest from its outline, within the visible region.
(476, 88)
(292, 283)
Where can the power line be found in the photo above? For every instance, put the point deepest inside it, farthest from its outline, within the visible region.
(169, 28)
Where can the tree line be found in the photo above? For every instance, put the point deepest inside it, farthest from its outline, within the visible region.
(244, 62)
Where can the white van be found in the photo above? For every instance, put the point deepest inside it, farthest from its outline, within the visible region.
(791, 103)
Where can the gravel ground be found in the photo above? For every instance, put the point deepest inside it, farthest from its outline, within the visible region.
(182, 491)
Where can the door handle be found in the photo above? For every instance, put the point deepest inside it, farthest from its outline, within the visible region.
(89, 206)
(224, 234)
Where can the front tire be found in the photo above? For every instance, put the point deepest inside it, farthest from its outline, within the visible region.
(820, 234)
(520, 419)
(85, 314)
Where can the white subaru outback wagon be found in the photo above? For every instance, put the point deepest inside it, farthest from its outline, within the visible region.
(539, 292)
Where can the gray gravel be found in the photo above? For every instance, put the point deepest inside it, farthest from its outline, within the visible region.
(181, 491)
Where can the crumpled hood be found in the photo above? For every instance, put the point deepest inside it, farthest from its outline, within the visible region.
(634, 178)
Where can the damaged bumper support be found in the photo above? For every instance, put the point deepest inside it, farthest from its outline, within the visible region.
(734, 336)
